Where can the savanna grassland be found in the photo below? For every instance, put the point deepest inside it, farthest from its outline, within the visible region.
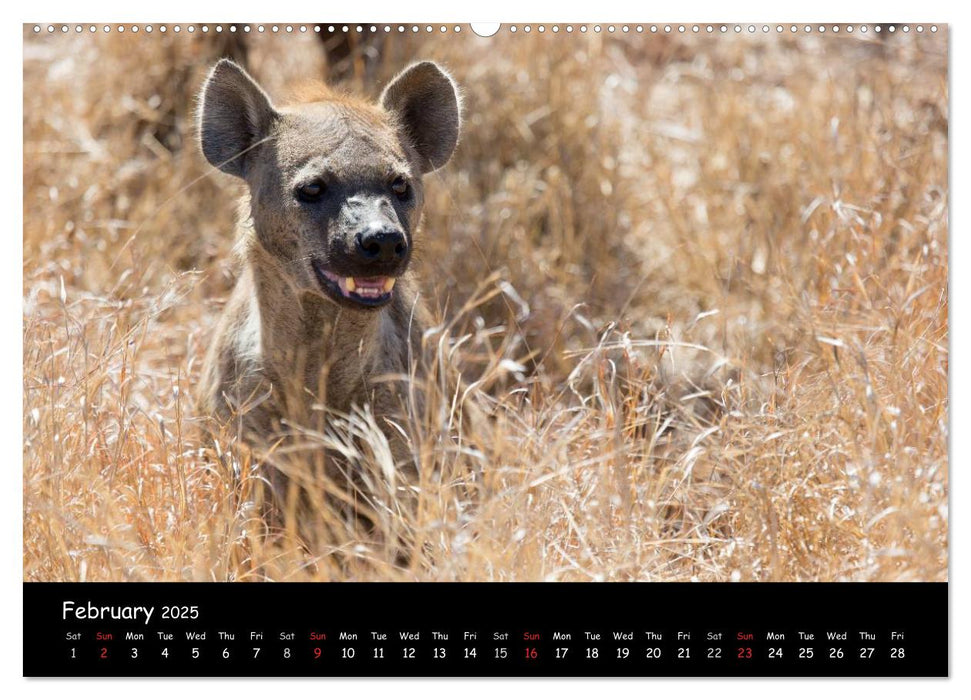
(697, 286)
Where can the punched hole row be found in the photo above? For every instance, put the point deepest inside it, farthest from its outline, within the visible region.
(514, 28)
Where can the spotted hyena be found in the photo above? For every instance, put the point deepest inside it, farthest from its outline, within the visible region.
(325, 306)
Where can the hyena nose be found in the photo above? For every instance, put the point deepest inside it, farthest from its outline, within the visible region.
(381, 245)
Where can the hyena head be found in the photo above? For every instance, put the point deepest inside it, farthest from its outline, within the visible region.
(335, 185)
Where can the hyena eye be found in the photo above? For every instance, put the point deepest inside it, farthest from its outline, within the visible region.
(401, 188)
(311, 192)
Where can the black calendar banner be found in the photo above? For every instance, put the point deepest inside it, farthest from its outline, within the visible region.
(486, 629)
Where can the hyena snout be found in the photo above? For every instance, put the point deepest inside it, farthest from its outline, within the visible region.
(381, 243)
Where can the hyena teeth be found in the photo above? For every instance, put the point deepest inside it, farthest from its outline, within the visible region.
(349, 282)
(389, 284)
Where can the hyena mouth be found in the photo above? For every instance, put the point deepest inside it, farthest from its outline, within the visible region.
(366, 291)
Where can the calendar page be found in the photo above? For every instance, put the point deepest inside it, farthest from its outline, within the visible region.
(536, 349)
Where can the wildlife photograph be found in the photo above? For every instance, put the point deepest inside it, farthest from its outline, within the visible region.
(405, 303)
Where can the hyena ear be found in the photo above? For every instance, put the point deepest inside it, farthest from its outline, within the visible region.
(426, 102)
(234, 115)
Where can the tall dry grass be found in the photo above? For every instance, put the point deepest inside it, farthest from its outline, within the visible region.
(698, 284)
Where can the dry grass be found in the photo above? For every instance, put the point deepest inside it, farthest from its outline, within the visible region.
(700, 283)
